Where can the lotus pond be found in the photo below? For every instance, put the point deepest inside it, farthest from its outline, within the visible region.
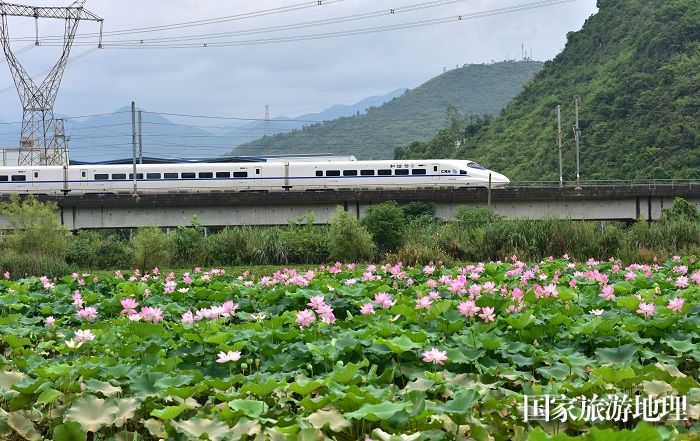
(348, 352)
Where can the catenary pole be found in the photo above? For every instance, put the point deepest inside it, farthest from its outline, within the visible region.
(133, 140)
(561, 165)
(577, 134)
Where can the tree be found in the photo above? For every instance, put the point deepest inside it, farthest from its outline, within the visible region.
(348, 239)
(386, 223)
(35, 229)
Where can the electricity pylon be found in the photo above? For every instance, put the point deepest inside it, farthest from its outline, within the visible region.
(42, 141)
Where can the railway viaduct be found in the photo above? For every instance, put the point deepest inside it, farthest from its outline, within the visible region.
(604, 202)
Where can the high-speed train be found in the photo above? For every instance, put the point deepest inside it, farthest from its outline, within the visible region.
(268, 176)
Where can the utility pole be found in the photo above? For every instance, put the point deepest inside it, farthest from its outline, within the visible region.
(140, 139)
(561, 165)
(577, 134)
(133, 140)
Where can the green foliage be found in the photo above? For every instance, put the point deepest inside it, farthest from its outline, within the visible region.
(191, 244)
(152, 248)
(386, 224)
(416, 115)
(269, 246)
(91, 249)
(230, 246)
(35, 228)
(682, 210)
(419, 209)
(20, 265)
(348, 238)
(472, 217)
(635, 66)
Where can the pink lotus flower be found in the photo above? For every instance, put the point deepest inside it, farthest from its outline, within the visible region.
(89, 313)
(475, 291)
(366, 309)
(696, 277)
(187, 317)
(428, 269)
(305, 318)
(682, 282)
(676, 304)
(187, 280)
(384, 300)
(229, 308)
(6, 275)
(646, 309)
(316, 301)
(468, 308)
(129, 304)
(49, 321)
(84, 335)
(424, 302)
(551, 291)
(608, 293)
(435, 356)
(225, 357)
(153, 315)
(487, 313)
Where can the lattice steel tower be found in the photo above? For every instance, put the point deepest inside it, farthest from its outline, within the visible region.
(42, 141)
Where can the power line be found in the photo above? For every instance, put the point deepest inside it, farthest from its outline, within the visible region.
(294, 26)
(188, 24)
(345, 33)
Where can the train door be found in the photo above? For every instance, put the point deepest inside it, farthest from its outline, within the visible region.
(258, 181)
(83, 177)
(286, 185)
(36, 180)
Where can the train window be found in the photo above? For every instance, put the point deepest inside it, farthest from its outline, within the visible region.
(83, 174)
(170, 175)
(349, 172)
(367, 172)
(188, 175)
(36, 174)
(138, 176)
(476, 166)
(118, 176)
(333, 173)
(153, 176)
(18, 178)
(4, 178)
(435, 168)
(102, 177)
(385, 172)
(319, 172)
(257, 171)
(419, 171)
(206, 175)
(223, 174)
(463, 172)
(401, 171)
(240, 174)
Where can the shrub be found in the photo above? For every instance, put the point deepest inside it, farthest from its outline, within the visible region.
(681, 210)
(230, 246)
(85, 249)
(306, 243)
(35, 228)
(191, 244)
(348, 240)
(386, 223)
(419, 253)
(419, 209)
(152, 248)
(269, 246)
(23, 265)
(476, 216)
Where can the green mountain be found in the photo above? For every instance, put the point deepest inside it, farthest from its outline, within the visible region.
(636, 66)
(417, 114)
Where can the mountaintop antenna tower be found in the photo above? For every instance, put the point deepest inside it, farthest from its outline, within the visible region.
(42, 141)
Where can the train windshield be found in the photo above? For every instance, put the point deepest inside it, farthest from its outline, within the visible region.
(476, 166)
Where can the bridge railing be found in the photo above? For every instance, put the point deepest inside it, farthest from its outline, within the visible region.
(652, 183)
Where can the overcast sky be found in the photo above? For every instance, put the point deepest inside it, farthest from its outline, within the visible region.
(293, 78)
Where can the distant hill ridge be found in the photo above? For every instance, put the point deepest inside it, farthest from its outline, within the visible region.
(636, 66)
(417, 114)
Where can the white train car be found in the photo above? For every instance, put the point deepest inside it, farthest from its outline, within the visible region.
(248, 176)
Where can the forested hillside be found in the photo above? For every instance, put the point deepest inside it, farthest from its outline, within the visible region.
(636, 66)
(416, 115)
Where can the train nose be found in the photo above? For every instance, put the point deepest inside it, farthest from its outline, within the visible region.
(498, 179)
